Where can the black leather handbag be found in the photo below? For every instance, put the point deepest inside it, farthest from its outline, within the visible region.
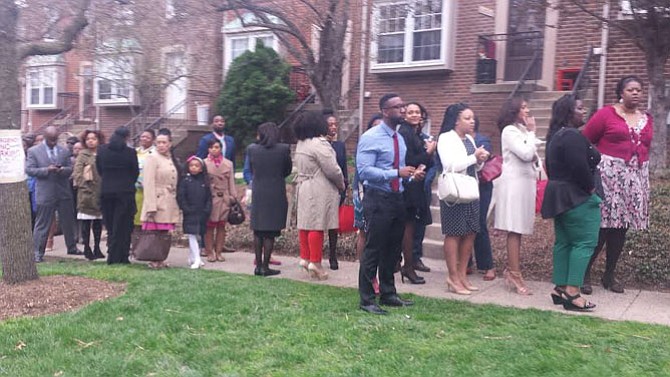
(236, 213)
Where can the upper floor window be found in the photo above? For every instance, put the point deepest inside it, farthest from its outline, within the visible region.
(41, 87)
(236, 45)
(412, 33)
(114, 79)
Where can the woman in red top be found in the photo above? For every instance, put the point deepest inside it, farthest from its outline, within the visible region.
(622, 133)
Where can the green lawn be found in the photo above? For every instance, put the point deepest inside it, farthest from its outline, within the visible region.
(179, 322)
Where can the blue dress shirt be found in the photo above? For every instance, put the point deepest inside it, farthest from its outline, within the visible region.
(374, 158)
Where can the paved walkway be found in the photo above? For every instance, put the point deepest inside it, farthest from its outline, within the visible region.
(633, 305)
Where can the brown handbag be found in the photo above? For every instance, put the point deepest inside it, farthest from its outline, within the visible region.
(152, 245)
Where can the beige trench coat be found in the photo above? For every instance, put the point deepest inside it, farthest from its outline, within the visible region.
(318, 181)
(222, 185)
(160, 189)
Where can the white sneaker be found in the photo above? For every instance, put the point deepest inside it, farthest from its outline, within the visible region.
(196, 265)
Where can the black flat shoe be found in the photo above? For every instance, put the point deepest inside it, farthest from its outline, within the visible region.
(569, 303)
(333, 264)
(586, 289)
(373, 309)
(395, 301)
(612, 285)
(269, 272)
(97, 253)
(75, 252)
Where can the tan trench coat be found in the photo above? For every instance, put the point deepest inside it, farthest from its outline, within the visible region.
(222, 186)
(318, 182)
(87, 180)
(160, 189)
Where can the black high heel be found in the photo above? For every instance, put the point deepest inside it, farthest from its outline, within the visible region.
(411, 276)
(557, 297)
(569, 303)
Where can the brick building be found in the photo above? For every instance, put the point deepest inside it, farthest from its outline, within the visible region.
(135, 63)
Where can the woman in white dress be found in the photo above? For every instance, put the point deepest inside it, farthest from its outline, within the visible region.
(516, 188)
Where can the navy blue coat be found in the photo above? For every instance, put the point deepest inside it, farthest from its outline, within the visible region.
(195, 200)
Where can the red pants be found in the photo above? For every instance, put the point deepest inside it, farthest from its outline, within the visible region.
(311, 244)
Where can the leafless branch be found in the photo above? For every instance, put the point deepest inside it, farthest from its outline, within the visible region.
(66, 40)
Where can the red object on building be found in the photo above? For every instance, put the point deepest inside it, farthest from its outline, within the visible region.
(565, 78)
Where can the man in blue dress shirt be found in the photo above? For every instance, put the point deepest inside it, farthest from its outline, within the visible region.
(380, 162)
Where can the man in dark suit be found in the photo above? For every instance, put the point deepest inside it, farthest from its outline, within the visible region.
(228, 143)
(50, 165)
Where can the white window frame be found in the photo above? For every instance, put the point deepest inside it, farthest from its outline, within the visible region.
(447, 41)
(251, 37)
(108, 68)
(42, 86)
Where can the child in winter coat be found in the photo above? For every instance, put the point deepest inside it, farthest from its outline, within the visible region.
(195, 200)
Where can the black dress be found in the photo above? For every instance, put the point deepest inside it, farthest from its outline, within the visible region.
(416, 202)
(270, 167)
(461, 219)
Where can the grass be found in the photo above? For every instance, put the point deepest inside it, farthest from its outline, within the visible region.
(179, 322)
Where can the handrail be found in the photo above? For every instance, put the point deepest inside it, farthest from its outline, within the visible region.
(582, 72)
(522, 79)
(55, 117)
(302, 104)
(161, 118)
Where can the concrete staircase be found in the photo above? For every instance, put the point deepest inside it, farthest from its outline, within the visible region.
(540, 103)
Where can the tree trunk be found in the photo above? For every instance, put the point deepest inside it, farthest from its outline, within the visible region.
(16, 245)
(16, 251)
(659, 110)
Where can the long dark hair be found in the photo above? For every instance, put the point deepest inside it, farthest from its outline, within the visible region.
(268, 134)
(311, 124)
(562, 112)
(424, 113)
(510, 112)
(451, 115)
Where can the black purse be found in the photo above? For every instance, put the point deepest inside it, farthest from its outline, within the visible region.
(236, 214)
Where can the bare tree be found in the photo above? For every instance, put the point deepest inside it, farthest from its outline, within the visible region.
(324, 60)
(16, 246)
(647, 24)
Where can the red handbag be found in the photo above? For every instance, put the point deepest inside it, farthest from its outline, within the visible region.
(492, 169)
(346, 215)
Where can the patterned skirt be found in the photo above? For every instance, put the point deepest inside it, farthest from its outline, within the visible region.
(626, 189)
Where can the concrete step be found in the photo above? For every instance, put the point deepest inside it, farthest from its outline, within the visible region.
(434, 231)
(433, 249)
(549, 94)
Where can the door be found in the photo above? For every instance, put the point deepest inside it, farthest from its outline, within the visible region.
(525, 38)
(175, 92)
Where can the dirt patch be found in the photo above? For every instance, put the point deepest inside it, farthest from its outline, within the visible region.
(53, 294)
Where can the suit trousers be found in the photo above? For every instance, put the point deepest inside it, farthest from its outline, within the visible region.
(385, 215)
(118, 211)
(43, 218)
(576, 236)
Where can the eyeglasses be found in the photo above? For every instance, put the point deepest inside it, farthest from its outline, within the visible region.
(397, 107)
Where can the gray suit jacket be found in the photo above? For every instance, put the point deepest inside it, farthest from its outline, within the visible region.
(49, 187)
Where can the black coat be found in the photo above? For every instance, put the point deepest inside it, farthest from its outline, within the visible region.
(195, 201)
(572, 167)
(270, 167)
(341, 157)
(414, 194)
(117, 166)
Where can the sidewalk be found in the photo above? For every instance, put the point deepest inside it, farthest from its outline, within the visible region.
(633, 305)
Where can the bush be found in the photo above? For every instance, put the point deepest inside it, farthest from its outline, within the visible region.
(256, 90)
(648, 252)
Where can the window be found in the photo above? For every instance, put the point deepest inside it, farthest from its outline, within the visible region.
(412, 33)
(114, 80)
(237, 45)
(41, 87)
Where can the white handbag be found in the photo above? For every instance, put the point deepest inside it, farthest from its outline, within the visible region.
(456, 188)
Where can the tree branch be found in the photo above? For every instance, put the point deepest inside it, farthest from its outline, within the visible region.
(66, 40)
